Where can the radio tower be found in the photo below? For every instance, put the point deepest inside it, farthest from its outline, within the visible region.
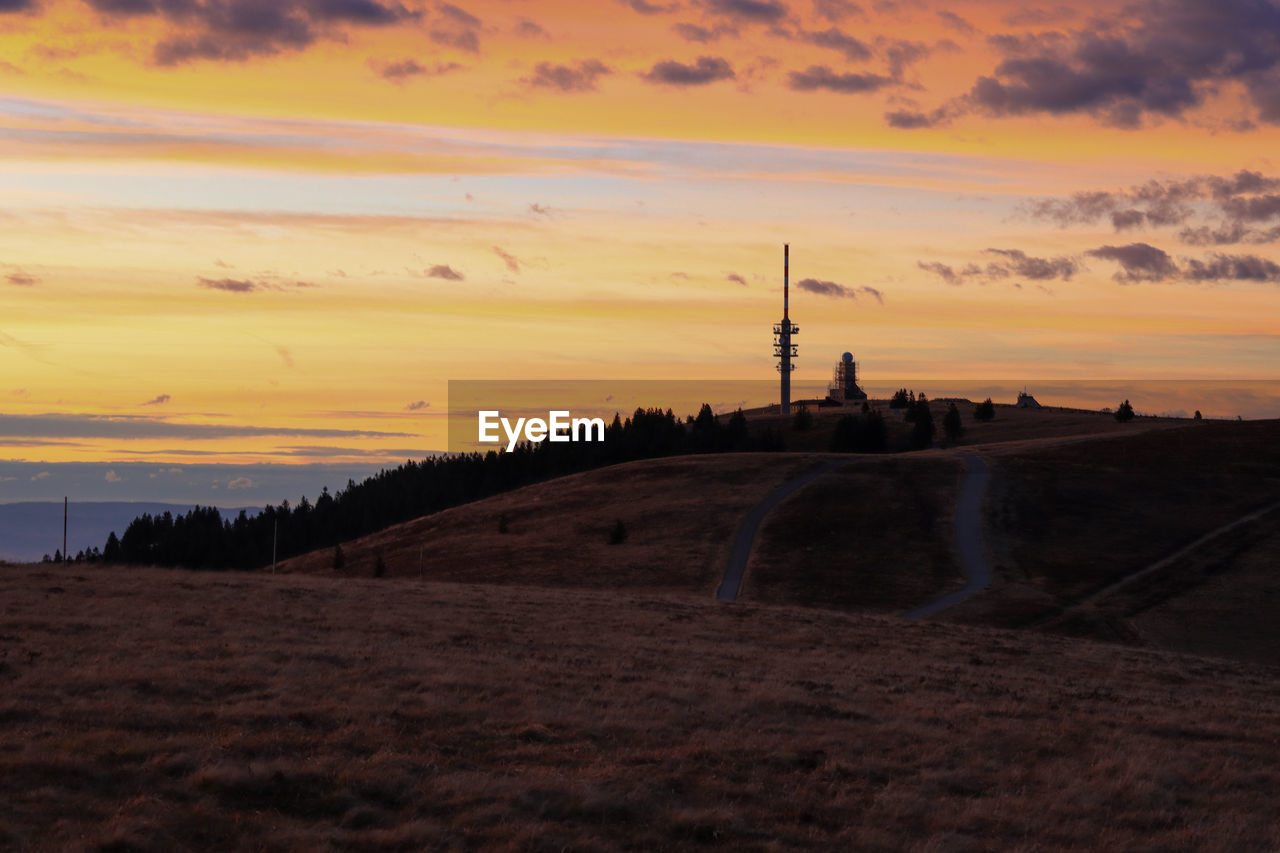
(783, 349)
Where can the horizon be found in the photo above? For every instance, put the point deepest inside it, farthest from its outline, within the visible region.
(235, 242)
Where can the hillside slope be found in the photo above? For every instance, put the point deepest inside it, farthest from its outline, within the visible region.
(167, 710)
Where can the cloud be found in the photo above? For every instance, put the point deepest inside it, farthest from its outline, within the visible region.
(113, 477)
(1010, 263)
(417, 406)
(761, 11)
(707, 69)
(399, 72)
(1039, 269)
(1035, 16)
(539, 210)
(445, 272)
(914, 120)
(1139, 262)
(456, 27)
(822, 77)
(644, 7)
(703, 35)
(854, 49)
(1161, 65)
(528, 29)
(512, 262)
(737, 279)
(944, 271)
(579, 77)
(237, 30)
(158, 401)
(21, 279)
(1232, 268)
(230, 285)
(955, 22)
(241, 483)
(16, 5)
(839, 291)
(468, 40)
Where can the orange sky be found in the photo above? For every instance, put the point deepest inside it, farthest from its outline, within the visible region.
(252, 228)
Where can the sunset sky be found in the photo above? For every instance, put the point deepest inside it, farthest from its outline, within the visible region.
(241, 232)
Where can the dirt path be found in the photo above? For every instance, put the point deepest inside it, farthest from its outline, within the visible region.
(746, 533)
(969, 539)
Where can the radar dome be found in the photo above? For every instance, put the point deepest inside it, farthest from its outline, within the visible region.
(847, 358)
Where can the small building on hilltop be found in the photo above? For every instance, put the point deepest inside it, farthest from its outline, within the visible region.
(844, 382)
(1026, 401)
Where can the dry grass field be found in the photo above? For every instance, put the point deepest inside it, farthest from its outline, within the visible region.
(679, 515)
(875, 534)
(166, 710)
(1068, 519)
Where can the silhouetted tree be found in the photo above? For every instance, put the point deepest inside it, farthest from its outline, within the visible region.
(1124, 413)
(859, 434)
(951, 424)
(922, 429)
(899, 399)
(1198, 416)
(985, 411)
(803, 419)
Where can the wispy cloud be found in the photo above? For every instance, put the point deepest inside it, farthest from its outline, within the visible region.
(158, 401)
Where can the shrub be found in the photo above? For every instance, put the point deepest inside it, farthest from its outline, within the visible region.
(985, 411)
(951, 423)
(1124, 413)
(618, 534)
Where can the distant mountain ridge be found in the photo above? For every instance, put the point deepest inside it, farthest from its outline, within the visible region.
(31, 529)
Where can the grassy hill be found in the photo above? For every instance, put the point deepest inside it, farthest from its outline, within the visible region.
(167, 710)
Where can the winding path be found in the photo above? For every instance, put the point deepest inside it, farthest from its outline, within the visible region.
(746, 532)
(969, 540)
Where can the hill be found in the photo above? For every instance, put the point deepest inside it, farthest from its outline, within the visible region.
(169, 710)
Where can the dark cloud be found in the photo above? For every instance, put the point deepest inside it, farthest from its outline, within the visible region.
(839, 291)
(836, 11)
(763, 11)
(539, 209)
(1010, 263)
(1035, 16)
(468, 40)
(1139, 262)
(703, 35)
(1228, 233)
(945, 272)
(512, 262)
(833, 38)
(459, 16)
(737, 279)
(1123, 220)
(914, 120)
(644, 7)
(1020, 264)
(230, 285)
(707, 69)
(445, 272)
(822, 77)
(1252, 209)
(237, 30)
(16, 5)
(398, 72)
(417, 406)
(526, 28)
(158, 401)
(1162, 65)
(579, 77)
(955, 22)
(1232, 268)
(901, 53)
(21, 279)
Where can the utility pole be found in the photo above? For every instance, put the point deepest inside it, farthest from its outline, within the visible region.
(64, 529)
(275, 530)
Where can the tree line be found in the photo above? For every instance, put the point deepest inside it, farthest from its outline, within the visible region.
(202, 538)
